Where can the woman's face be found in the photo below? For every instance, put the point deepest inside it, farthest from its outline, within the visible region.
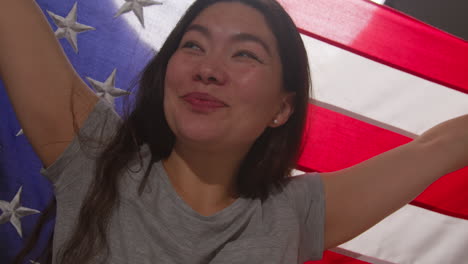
(223, 84)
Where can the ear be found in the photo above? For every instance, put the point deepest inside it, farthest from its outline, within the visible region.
(285, 111)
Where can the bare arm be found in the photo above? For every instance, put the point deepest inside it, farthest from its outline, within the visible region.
(358, 197)
(41, 83)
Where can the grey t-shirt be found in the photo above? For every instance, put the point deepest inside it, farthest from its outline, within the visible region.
(159, 227)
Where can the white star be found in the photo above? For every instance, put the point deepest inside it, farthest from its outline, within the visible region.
(19, 133)
(68, 27)
(13, 211)
(107, 89)
(137, 7)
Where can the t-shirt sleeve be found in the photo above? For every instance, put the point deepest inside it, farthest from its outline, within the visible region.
(76, 162)
(306, 192)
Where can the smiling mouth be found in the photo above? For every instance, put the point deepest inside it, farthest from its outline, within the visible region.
(203, 102)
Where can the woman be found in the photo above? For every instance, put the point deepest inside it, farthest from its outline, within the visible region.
(199, 170)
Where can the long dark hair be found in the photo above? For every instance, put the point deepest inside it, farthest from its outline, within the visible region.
(267, 165)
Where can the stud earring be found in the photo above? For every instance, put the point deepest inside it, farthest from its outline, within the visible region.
(275, 121)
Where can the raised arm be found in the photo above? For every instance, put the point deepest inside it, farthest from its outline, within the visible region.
(40, 82)
(360, 196)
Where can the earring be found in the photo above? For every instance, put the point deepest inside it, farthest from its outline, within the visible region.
(275, 121)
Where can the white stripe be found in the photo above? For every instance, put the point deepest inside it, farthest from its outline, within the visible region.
(297, 172)
(379, 1)
(359, 256)
(379, 92)
(415, 235)
(363, 118)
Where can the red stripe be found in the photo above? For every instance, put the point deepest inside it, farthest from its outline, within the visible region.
(330, 257)
(385, 35)
(335, 141)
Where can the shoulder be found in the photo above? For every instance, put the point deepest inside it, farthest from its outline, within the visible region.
(301, 192)
(309, 184)
(305, 193)
(100, 126)
(103, 118)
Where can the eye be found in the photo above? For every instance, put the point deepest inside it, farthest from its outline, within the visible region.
(191, 45)
(247, 54)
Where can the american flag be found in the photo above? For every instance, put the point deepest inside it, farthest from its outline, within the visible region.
(380, 79)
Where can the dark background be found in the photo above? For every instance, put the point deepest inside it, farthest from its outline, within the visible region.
(448, 15)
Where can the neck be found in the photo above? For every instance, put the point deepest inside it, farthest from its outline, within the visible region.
(204, 179)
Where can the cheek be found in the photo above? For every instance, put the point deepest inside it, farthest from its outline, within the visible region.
(258, 89)
(171, 86)
(173, 70)
(173, 81)
(258, 97)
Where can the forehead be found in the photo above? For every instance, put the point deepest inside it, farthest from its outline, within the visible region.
(230, 18)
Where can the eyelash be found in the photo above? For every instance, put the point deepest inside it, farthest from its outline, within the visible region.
(249, 55)
(191, 45)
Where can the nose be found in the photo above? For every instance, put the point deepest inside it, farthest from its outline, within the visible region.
(210, 72)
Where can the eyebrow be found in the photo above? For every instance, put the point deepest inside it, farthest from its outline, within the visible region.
(240, 37)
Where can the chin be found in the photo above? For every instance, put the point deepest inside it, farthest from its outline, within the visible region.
(206, 134)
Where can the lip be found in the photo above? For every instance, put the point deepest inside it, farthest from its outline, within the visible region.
(203, 102)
